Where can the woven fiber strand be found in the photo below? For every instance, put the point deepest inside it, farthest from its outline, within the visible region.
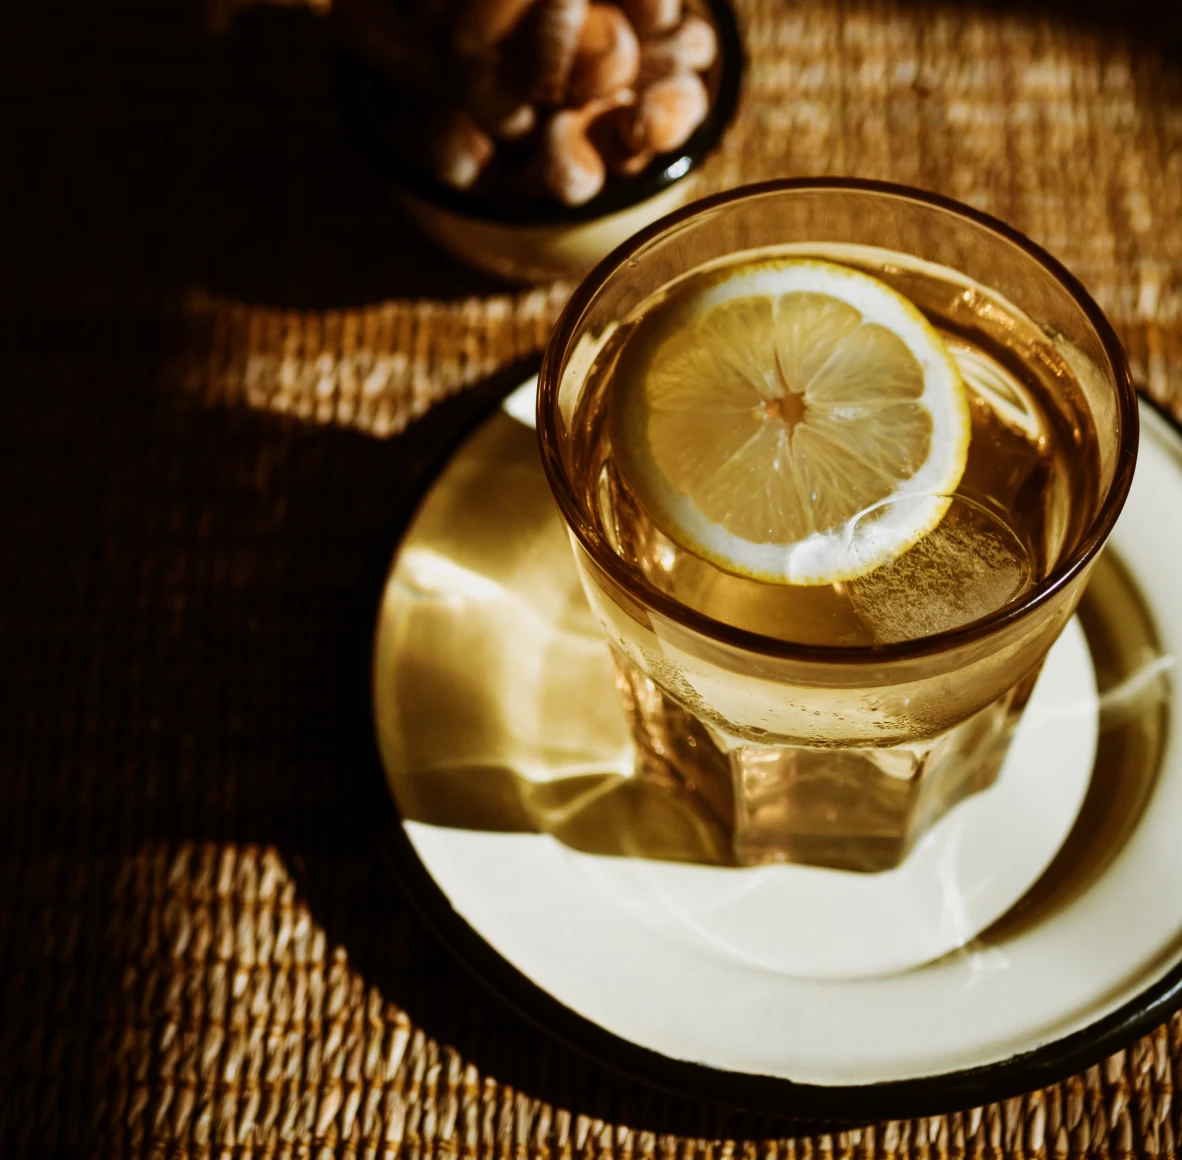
(209, 313)
(375, 369)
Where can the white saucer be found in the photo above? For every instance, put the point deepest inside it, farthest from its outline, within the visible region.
(767, 972)
(833, 924)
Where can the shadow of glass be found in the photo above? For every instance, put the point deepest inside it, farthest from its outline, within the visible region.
(1134, 718)
(607, 814)
(494, 697)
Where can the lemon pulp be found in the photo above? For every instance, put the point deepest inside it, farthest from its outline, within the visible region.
(800, 423)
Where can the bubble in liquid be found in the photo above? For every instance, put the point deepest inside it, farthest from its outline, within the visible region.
(972, 564)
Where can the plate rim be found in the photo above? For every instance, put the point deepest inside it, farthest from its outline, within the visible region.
(769, 1096)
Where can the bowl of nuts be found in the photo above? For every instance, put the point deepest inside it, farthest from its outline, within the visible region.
(531, 137)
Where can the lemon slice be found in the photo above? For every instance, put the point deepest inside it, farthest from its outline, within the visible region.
(799, 423)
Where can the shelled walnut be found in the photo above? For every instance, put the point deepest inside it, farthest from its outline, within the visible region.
(550, 97)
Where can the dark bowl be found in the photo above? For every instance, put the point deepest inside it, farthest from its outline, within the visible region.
(527, 239)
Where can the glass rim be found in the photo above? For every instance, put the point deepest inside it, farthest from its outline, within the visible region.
(1091, 540)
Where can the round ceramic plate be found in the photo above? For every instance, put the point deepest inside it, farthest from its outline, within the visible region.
(605, 908)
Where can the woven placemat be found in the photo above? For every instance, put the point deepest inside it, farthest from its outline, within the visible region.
(211, 321)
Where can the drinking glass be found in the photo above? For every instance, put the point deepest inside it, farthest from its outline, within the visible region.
(823, 752)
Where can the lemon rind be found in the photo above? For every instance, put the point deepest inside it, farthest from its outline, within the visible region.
(892, 527)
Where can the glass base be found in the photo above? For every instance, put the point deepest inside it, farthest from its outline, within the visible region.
(858, 809)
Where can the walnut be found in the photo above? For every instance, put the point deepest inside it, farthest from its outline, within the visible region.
(690, 47)
(666, 113)
(460, 150)
(650, 17)
(572, 167)
(559, 27)
(608, 55)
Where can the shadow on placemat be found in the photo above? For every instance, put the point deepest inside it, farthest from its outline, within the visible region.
(156, 155)
(182, 596)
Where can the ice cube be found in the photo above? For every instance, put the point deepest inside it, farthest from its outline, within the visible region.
(970, 566)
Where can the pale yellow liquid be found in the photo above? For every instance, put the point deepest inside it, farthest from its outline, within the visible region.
(1032, 449)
